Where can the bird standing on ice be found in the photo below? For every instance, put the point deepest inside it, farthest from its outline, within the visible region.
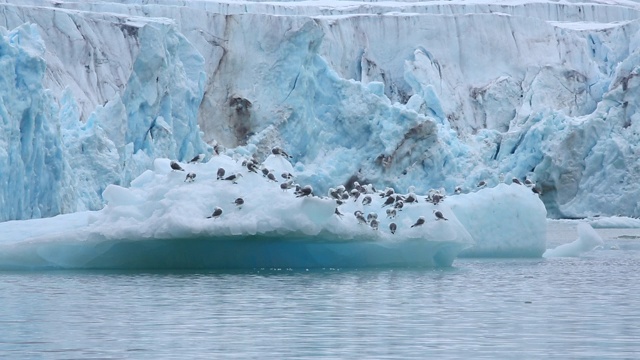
(393, 227)
(216, 213)
(439, 215)
(233, 178)
(176, 166)
(419, 222)
(191, 177)
(220, 174)
(239, 202)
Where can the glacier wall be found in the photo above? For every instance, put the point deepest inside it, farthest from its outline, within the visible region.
(426, 94)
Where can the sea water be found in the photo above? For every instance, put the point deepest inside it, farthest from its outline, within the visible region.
(564, 308)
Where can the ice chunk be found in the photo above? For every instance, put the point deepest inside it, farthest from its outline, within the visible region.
(588, 239)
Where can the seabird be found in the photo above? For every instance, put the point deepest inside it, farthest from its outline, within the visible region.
(190, 177)
(393, 227)
(374, 224)
(457, 190)
(216, 213)
(419, 222)
(278, 151)
(271, 177)
(515, 180)
(372, 216)
(391, 213)
(334, 194)
(355, 194)
(528, 182)
(482, 184)
(337, 212)
(390, 200)
(305, 191)
(239, 202)
(436, 198)
(176, 166)
(360, 216)
(398, 206)
(265, 171)
(286, 185)
(439, 215)
(196, 159)
(233, 178)
(387, 192)
(251, 166)
(411, 198)
(286, 175)
(220, 173)
(366, 200)
(536, 190)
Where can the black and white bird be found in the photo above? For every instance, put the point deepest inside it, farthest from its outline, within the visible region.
(286, 176)
(390, 200)
(399, 205)
(191, 177)
(216, 213)
(366, 200)
(515, 180)
(411, 198)
(306, 190)
(457, 190)
(176, 166)
(419, 222)
(233, 178)
(393, 227)
(220, 174)
(286, 185)
(338, 213)
(278, 151)
(374, 224)
(264, 171)
(239, 202)
(482, 184)
(271, 177)
(252, 166)
(439, 215)
(391, 213)
(436, 198)
(355, 194)
(536, 190)
(360, 216)
(387, 192)
(196, 159)
(372, 216)
(528, 182)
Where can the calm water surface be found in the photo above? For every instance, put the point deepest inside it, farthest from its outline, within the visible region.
(569, 308)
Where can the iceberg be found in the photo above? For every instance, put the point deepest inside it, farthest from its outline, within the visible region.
(164, 220)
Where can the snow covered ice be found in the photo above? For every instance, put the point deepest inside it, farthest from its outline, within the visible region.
(164, 221)
(397, 94)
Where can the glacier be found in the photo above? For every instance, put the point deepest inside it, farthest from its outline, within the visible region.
(429, 95)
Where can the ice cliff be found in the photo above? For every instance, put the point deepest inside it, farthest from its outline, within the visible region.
(426, 94)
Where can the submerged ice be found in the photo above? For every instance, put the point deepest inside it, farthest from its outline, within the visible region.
(167, 220)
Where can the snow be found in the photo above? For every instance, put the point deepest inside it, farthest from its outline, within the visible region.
(163, 221)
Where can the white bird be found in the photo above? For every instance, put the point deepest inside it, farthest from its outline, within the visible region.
(366, 200)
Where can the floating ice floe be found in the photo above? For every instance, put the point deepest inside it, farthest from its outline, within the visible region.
(165, 221)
